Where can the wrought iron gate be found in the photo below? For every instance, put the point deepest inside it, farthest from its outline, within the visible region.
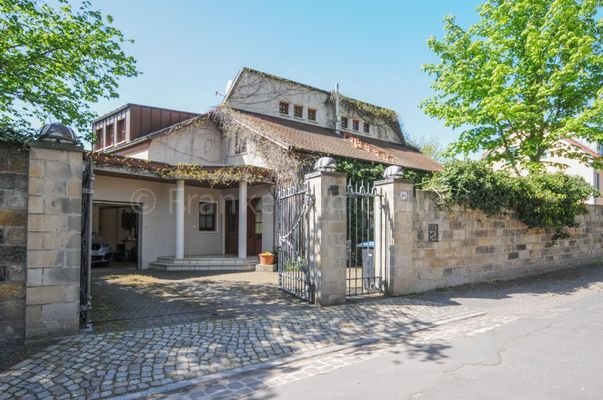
(293, 275)
(365, 268)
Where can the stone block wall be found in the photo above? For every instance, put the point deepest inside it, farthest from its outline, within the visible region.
(326, 221)
(474, 247)
(53, 241)
(13, 240)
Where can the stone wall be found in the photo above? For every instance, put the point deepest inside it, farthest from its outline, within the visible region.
(13, 241)
(53, 241)
(473, 247)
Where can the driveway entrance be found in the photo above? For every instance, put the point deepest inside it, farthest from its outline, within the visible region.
(130, 299)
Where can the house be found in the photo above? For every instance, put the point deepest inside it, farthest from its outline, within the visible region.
(583, 153)
(197, 190)
(574, 157)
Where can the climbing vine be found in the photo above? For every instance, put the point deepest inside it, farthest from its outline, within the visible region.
(546, 200)
(366, 171)
(286, 165)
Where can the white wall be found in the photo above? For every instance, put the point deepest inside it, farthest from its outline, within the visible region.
(199, 143)
(261, 94)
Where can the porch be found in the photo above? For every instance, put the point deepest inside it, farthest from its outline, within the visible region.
(184, 221)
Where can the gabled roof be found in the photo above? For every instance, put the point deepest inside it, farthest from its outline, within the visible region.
(161, 132)
(583, 147)
(343, 99)
(292, 135)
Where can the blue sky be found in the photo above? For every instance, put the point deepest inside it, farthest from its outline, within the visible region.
(188, 50)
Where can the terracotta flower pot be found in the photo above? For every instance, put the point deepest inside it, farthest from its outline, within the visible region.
(266, 259)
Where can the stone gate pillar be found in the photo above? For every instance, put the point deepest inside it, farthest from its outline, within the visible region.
(326, 234)
(53, 240)
(393, 241)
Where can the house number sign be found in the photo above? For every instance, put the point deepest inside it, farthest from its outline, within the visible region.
(433, 234)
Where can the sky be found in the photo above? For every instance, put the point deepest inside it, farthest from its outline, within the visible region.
(188, 50)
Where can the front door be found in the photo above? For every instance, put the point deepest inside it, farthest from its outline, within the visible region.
(231, 234)
(254, 227)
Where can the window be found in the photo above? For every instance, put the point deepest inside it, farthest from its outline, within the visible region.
(298, 111)
(600, 148)
(240, 144)
(355, 124)
(344, 122)
(121, 131)
(283, 108)
(367, 127)
(99, 143)
(109, 135)
(207, 216)
(597, 180)
(311, 114)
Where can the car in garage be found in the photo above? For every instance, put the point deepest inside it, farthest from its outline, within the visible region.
(101, 252)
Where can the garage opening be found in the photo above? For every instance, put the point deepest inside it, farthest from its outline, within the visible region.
(116, 235)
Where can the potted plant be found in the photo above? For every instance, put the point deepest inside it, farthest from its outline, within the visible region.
(266, 258)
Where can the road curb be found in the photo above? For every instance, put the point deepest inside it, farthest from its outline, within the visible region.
(205, 379)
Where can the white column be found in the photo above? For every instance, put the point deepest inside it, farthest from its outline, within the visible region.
(242, 219)
(179, 218)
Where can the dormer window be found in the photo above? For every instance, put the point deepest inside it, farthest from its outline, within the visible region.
(367, 127)
(121, 131)
(311, 114)
(283, 108)
(356, 125)
(298, 111)
(344, 122)
(109, 135)
(99, 139)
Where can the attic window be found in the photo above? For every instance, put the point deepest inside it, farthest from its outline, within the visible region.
(283, 108)
(109, 135)
(240, 144)
(311, 114)
(344, 122)
(121, 130)
(99, 143)
(367, 127)
(356, 125)
(298, 111)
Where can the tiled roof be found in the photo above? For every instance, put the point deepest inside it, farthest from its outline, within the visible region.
(314, 139)
(583, 147)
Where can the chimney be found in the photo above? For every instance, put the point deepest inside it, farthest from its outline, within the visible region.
(337, 116)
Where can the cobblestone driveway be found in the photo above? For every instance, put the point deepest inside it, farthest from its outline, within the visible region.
(140, 299)
(114, 363)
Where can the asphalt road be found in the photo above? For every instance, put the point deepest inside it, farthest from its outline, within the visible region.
(551, 352)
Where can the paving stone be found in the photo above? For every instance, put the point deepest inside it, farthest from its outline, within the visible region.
(131, 360)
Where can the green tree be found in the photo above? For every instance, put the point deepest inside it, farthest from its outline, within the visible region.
(55, 61)
(430, 147)
(520, 80)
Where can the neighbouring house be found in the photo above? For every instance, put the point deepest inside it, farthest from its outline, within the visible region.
(177, 190)
(580, 164)
(574, 157)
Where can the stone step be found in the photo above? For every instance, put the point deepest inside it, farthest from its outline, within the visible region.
(224, 265)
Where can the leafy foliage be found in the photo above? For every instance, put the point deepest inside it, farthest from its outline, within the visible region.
(55, 61)
(527, 75)
(431, 148)
(366, 171)
(540, 199)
